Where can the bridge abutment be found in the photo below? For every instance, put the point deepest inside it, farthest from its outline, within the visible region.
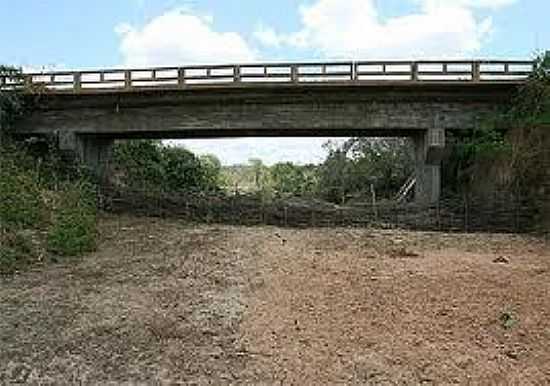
(429, 147)
(92, 152)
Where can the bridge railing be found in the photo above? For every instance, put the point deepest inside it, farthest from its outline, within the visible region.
(272, 73)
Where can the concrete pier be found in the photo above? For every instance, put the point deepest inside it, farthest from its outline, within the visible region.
(429, 147)
(92, 152)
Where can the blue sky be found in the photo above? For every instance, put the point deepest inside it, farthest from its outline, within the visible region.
(74, 34)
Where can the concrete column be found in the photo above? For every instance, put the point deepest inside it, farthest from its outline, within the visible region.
(92, 152)
(429, 146)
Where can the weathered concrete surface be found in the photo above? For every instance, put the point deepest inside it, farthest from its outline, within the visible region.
(94, 153)
(281, 111)
(429, 146)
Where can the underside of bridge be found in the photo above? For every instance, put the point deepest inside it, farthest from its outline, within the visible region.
(88, 124)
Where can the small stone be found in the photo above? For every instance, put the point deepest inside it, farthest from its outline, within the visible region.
(512, 354)
(501, 260)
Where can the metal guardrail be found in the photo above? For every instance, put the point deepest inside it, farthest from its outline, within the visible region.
(274, 73)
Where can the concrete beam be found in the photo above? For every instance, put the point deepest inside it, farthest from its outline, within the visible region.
(330, 111)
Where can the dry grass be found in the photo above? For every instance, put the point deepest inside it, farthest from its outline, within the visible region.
(163, 301)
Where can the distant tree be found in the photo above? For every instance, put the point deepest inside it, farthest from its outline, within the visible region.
(212, 171)
(259, 170)
(150, 165)
(351, 167)
(182, 170)
(335, 174)
(139, 162)
(384, 162)
(289, 178)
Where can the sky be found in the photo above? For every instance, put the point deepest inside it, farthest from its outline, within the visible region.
(77, 34)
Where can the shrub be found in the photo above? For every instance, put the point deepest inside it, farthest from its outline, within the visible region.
(291, 179)
(73, 226)
(16, 251)
(21, 205)
(149, 165)
(26, 184)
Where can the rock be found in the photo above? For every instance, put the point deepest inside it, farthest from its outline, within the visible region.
(501, 260)
(512, 354)
(404, 253)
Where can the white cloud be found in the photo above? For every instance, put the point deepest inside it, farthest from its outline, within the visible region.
(179, 37)
(267, 36)
(354, 29)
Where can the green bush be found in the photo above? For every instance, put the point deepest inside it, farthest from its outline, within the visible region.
(16, 251)
(31, 206)
(73, 227)
(21, 205)
(149, 165)
(31, 203)
(291, 179)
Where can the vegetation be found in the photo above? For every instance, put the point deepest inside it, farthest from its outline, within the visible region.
(251, 177)
(41, 215)
(290, 179)
(44, 210)
(150, 165)
(72, 229)
(362, 164)
(21, 205)
(350, 169)
(506, 149)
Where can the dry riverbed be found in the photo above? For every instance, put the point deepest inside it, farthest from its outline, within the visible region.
(164, 301)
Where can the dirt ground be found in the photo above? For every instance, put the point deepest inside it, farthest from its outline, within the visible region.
(164, 302)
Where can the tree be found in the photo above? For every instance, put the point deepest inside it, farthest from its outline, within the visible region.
(288, 178)
(385, 163)
(212, 171)
(150, 165)
(259, 170)
(335, 177)
(182, 170)
(358, 163)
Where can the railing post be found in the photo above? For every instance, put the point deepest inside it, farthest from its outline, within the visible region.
(27, 81)
(77, 82)
(237, 74)
(476, 71)
(127, 79)
(181, 77)
(414, 71)
(294, 73)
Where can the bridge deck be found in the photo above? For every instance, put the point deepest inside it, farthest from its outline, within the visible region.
(273, 74)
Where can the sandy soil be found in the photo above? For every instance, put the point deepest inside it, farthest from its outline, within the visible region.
(166, 302)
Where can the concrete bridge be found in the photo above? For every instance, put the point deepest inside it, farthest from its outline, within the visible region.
(88, 110)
